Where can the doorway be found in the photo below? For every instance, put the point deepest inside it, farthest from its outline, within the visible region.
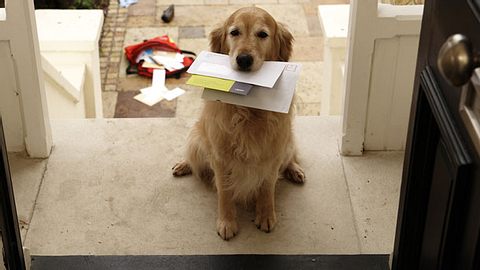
(123, 171)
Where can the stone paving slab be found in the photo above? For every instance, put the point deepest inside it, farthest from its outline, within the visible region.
(314, 27)
(307, 49)
(309, 85)
(109, 99)
(138, 34)
(198, 15)
(308, 109)
(291, 15)
(142, 8)
(133, 83)
(253, 1)
(128, 107)
(195, 45)
(141, 21)
(216, 2)
(180, 2)
(191, 32)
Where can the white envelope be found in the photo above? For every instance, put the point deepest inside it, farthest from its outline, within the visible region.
(171, 94)
(149, 96)
(158, 78)
(276, 99)
(218, 65)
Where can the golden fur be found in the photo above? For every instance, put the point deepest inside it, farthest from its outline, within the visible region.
(244, 150)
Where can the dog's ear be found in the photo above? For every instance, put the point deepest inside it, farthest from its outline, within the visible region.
(217, 40)
(283, 40)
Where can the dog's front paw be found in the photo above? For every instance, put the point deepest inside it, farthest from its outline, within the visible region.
(227, 229)
(181, 169)
(266, 222)
(295, 173)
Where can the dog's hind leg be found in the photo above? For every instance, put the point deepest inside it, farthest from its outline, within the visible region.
(294, 172)
(196, 160)
(181, 168)
(201, 171)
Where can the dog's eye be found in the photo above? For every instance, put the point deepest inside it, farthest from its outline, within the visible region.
(262, 34)
(235, 32)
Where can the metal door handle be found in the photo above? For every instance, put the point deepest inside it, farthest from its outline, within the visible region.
(457, 60)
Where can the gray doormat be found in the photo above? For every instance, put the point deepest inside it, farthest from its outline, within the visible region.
(277, 262)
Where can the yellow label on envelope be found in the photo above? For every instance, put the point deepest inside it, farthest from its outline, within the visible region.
(211, 82)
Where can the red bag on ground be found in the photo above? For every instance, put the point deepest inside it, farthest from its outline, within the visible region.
(163, 43)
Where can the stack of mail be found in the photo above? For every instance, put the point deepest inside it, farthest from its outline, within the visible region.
(269, 88)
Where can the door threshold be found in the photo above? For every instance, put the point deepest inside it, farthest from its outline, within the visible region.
(244, 261)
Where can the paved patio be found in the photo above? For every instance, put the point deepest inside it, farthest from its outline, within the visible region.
(193, 21)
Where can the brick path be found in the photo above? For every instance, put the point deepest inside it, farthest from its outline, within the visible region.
(193, 20)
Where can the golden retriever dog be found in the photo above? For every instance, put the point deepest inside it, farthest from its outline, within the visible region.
(244, 150)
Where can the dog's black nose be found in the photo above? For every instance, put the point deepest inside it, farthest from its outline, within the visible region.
(244, 61)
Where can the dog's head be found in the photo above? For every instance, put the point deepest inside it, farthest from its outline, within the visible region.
(250, 36)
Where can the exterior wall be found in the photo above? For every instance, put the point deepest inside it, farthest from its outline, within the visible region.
(380, 66)
(89, 105)
(390, 94)
(63, 47)
(62, 105)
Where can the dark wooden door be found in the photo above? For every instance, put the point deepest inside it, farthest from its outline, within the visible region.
(439, 214)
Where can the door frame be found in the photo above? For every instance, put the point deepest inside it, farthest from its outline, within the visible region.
(429, 112)
(435, 130)
(9, 229)
(37, 127)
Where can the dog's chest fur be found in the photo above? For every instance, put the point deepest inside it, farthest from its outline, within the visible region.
(248, 136)
(249, 145)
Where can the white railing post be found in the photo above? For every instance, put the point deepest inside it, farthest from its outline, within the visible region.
(358, 64)
(20, 32)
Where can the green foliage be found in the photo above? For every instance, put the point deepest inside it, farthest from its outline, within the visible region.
(53, 4)
(90, 4)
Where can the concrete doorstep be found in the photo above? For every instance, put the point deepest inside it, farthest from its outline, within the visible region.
(107, 189)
